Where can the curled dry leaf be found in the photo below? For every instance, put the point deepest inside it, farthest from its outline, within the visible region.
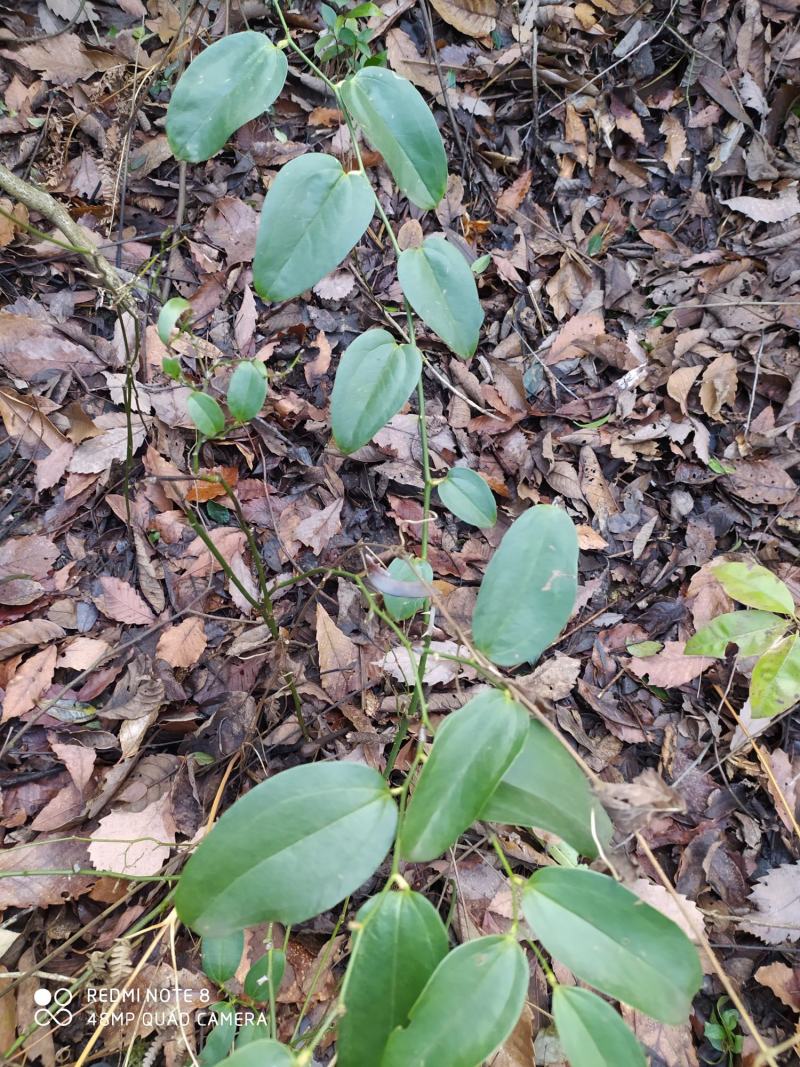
(20, 636)
(120, 601)
(184, 644)
(475, 18)
(783, 981)
(338, 658)
(766, 209)
(719, 384)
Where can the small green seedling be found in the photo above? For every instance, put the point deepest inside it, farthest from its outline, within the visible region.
(720, 1033)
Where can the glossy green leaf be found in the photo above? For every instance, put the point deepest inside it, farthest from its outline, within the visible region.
(247, 390)
(591, 1033)
(775, 684)
(469, 1007)
(169, 315)
(313, 214)
(545, 788)
(219, 1041)
(231, 82)
(264, 1053)
(266, 974)
(614, 941)
(468, 496)
(221, 956)
(206, 414)
(404, 607)
(399, 124)
(471, 752)
(441, 288)
(399, 942)
(752, 631)
(291, 848)
(374, 379)
(529, 587)
(755, 586)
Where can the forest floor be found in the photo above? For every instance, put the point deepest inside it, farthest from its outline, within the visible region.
(631, 171)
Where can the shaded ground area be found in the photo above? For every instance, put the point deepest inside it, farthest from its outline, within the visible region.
(631, 171)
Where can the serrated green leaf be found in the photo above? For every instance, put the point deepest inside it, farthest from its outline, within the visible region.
(221, 955)
(336, 820)
(529, 587)
(313, 215)
(403, 607)
(247, 390)
(614, 941)
(231, 82)
(468, 496)
(374, 379)
(470, 1005)
(206, 414)
(262, 1053)
(544, 788)
(264, 978)
(591, 1033)
(441, 288)
(471, 752)
(752, 631)
(775, 684)
(398, 943)
(399, 124)
(755, 586)
(168, 317)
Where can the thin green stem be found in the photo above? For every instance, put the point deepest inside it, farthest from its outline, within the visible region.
(296, 48)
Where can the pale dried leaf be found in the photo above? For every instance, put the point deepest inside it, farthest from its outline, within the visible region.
(51, 469)
(719, 383)
(134, 842)
(675, 134)
(784, 982)
(29, 347)
(20, 636)
(670, 668)
(317, 530)
(679, 385)
(98, 453)
(44, 889)
(23, 419)
(687, 915)
(184, 644)
(761, 481)
(338, 658)
(120, 601)
(28, 684)
(78, 760)
(82, 653)
(777, 900)
(552, 680)
(764, 209)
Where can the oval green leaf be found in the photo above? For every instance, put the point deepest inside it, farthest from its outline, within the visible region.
(169, 315)
(471, 752)
(233, 81)
(529, 587)
(221, 955)
(336, 820)
(399, 124)
(374, 379)
(545, 788)
(591, 1033)
(219, 1041)
(398, 944)
(263, 1053)
(614, 941)
(441, 288)
(468, 496)
(752, 631)
(247, 390)
(405, 607)
(206, 414)
(265, 975)
(469, 1007)
(312, 216)
(755, 586)
(775, 684)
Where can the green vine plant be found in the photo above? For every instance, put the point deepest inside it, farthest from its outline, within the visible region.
(767, 629)
(306, 839)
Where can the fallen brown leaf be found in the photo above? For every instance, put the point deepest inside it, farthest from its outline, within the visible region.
(120, 601)
(670, 667)
(134, 842)
(28, 684)
(184, 644)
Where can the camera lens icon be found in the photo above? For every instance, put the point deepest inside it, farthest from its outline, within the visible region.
(52, 1007)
